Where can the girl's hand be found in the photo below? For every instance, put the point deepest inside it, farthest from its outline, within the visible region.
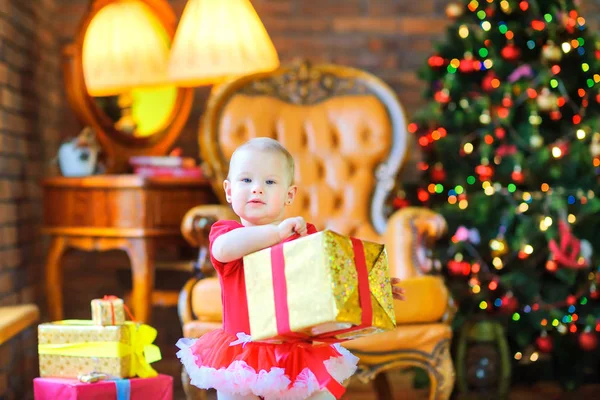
(397, 292)
(292, 225)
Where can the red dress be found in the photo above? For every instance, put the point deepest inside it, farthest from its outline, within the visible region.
(226, 359)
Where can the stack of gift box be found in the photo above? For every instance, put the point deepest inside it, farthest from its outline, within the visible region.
(105, 358)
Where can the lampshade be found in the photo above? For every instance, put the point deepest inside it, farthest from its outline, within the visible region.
(218, 39)
(125, 46)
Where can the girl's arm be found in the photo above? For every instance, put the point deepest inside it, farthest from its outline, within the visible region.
(240, 242)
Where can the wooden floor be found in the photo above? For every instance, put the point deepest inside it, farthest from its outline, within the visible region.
(88, 278)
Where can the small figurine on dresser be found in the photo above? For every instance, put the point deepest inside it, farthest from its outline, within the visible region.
(290, 294)
(79, 156)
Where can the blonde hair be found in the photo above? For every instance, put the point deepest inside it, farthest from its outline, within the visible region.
(268, 145)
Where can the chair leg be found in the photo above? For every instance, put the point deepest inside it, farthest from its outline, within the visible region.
(191, 392)
(382, 387)
(441, 374)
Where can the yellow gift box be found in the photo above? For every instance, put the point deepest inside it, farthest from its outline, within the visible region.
(326, 286)
(73, 347)
(108, 311)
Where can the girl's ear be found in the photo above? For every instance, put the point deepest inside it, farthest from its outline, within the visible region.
(227, 187)
(291, 194)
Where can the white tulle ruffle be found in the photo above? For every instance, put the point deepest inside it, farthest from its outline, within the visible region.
(240, 378)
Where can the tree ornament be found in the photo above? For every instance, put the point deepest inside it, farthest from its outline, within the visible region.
(595, 145)
(594, 293)
(458, 268)
(551, 53)
(567, 253)
(436, 61)
(467, 64)
(536, 141)
(588, 340)
(560, 148)
(506, 8)
(517, 174)
(438, 173)
(400, 202)
(454, 10)
(546, 100)
(485, 172)
(442, 96)
(510, 304)
(490, 82)
(485, 118)
(510, 52)
(500, 132)
(555, 115)
(544, 343)
(507, 100)
(551, 266)
(535, 119)
(498, 247)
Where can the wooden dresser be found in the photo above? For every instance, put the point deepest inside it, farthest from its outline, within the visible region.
(106, 212)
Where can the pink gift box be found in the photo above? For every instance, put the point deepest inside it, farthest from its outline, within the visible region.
(156, 388)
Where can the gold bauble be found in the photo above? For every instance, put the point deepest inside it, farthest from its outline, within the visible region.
(595, 145)
(536, 141)
(498, 247)
(547, 101)
(551, 53)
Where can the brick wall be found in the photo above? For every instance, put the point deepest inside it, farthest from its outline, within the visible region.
(390, 38)
(29, 103)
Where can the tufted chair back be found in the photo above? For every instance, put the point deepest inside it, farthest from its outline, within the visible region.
(344, 127)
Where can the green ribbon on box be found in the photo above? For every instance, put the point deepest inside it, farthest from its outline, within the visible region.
(143, 351)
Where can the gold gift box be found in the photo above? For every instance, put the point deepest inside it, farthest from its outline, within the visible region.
(73, 347)
(108, 311)
(322, 288)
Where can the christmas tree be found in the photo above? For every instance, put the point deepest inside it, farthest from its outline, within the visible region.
(510, 142)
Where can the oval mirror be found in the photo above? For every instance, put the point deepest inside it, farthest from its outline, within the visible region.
(143, 120)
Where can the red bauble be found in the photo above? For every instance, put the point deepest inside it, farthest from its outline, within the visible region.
(467, 65)
(500, 133)
(510, 304)
(438, 173)
(457, 268)
(544, 343)
(488, 83)
(400, 202)
(442, 96)
(436, 61)
(510, 52)
(518, 176)
(588, 341)
(485, 172)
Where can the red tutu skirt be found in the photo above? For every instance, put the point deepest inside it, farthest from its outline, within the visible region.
(235, 365)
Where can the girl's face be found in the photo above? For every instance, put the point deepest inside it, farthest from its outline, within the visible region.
(259, 187)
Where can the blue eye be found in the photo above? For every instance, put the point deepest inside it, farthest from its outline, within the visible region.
(270, 182)
(246, 180)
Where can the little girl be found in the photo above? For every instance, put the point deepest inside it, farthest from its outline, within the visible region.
(259, 186)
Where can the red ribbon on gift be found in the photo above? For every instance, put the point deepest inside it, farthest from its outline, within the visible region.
(282, 314)
(110, 299)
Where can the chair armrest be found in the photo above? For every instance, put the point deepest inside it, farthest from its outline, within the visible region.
(184, 304)
(410, 233)
(196, 223)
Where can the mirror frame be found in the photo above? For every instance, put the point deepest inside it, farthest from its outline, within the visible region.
(119, 146)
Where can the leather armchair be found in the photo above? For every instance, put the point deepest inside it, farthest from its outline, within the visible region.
(347, 133)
